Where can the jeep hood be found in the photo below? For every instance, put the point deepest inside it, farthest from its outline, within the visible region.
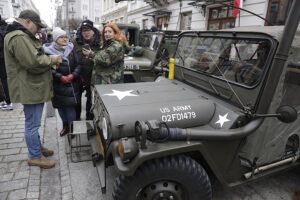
(137, 63)
(165, 101)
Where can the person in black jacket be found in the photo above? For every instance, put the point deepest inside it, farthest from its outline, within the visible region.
(65, 78)
(7, 105)
(87, 37)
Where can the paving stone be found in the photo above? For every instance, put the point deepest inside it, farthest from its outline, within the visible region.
(6, 177)
(24, 150)
(3, 146)
(20, 126)
(35, 170)
(3, 195)
(21, 174)
(8, 127)
(67, 196)
(13, 185)
(15, 145)
(18, 157)
(14, 164)
(18, 135)
(33, 195)
(66, 189)
(34, 182)
(5, 135)
(6, 152)
(17, 194)
(33, 188)
(11, 140)
(35, 177)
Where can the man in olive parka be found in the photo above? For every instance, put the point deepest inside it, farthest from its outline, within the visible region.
(87, 36)
(29, 79)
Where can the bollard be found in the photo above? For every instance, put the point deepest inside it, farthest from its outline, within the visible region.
(171, 68)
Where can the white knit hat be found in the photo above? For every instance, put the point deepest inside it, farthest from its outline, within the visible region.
(57, 32)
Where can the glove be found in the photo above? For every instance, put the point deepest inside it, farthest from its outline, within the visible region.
(70, 77)
(64, 79)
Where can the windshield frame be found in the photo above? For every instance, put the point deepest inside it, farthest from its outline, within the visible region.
(237, 93)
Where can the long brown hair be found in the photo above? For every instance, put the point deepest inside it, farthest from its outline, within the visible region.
(119, 36)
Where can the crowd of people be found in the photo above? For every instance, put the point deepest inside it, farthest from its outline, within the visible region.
(35, 70)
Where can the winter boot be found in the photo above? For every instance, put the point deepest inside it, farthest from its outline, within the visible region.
(65, 130)
(41, 162)
(46, 152)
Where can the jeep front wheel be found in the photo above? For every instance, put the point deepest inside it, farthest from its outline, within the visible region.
(174, 178)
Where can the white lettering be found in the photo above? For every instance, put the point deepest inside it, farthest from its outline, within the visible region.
(178, 116)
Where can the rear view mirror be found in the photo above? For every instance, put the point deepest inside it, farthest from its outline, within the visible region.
(287, 114)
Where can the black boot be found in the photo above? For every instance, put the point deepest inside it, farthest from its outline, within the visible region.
(64, 130)
(71, 130)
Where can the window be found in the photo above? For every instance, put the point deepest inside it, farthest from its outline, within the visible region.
(278, 11)
(162, 22)
(97, 19)
(84, 7)
(145, 23)
(84, 17)
(185, 21)
(220, 18)
(1, 11)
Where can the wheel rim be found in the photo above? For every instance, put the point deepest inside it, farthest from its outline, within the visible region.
(162, 190)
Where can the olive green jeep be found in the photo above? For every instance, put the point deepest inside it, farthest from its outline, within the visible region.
(231, 113)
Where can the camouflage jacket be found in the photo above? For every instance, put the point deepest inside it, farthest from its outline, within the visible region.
(109, 63)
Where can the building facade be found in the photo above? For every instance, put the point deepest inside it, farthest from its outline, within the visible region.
(205, 14)
(114, 12)
(12, 8)
(76, 11)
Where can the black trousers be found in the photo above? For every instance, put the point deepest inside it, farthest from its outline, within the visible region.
(88, 95)
(3, 78)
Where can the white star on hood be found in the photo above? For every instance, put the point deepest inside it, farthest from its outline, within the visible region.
(222, 119)
(121, 94)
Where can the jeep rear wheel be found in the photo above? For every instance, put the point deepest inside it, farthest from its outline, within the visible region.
(174, 178)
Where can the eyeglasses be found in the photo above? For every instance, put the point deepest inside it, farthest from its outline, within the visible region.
(64, 37)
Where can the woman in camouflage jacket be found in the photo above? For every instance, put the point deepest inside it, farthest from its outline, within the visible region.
(109, 61)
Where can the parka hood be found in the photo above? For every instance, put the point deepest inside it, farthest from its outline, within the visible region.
(17, 26)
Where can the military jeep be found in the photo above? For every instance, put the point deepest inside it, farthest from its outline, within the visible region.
(150, 57)
(231, 113)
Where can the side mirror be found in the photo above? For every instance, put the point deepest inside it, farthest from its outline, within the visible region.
(287, 114)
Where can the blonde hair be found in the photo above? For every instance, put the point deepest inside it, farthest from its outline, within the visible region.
(119, 36)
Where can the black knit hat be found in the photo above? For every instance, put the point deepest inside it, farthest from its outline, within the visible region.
(87, 24)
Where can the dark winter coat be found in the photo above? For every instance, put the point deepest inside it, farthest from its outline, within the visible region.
(65, 94)
(87, 64)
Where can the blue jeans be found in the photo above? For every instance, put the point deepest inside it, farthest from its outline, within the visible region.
(33, 114)
(67, 114)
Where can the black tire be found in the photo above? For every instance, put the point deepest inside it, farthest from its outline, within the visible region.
(177, 176)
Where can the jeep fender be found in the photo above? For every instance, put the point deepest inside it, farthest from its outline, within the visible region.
(158, 150)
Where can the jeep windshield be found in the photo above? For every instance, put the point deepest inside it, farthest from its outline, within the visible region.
(223, 63)
(150, 41)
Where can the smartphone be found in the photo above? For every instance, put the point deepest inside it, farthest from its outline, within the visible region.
(86, 46)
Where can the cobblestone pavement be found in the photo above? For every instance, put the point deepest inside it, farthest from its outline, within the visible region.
(17, 179)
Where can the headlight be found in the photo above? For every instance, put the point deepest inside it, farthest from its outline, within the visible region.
(104, 128)
(127, 149)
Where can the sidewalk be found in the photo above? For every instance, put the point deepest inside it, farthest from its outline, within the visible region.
(17, 179)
